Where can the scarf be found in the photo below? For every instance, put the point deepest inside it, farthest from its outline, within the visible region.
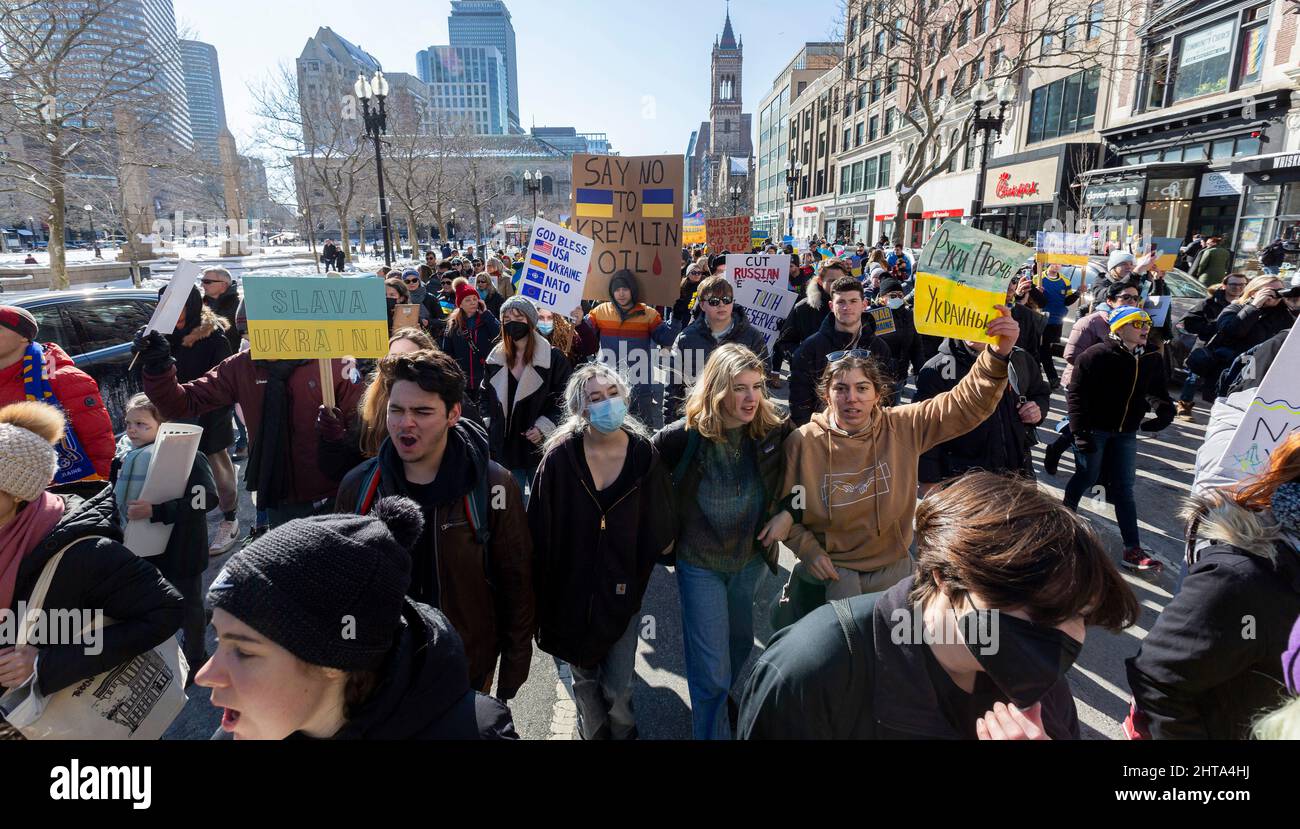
(131, 477)
(27, 529)
(74, 463)
(268, 468)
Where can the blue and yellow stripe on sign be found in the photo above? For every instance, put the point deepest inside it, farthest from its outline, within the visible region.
(597, 204)
(304, 340)
(538, 261)
(657, 203)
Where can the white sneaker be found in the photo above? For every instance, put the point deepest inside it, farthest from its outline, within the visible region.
(227, 535)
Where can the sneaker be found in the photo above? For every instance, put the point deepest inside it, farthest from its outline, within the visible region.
(227, 535)
(1140, 558)
(253, 535)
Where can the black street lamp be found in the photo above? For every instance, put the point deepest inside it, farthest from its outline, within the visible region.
(533, 184)
(736, 191)
(376, 122)
(451, 229)
(980, 95)
(94, 237)
(791, 179)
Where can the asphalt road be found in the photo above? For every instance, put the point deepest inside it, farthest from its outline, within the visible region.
(544, 710)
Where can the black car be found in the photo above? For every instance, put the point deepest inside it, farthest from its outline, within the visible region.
(95, 328)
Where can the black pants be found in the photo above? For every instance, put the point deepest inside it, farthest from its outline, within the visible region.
(1051, 342)
(194, 621)
(1064, 440)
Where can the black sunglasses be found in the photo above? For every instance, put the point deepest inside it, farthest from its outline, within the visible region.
(836, 356)
(714, 302)
(213, 281)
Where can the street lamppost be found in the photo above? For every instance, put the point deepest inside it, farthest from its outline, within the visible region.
(981, 94)
(376, 122)
(791, 180)
(533, 184)
(736, 191)
(94, 238)
(451, 228)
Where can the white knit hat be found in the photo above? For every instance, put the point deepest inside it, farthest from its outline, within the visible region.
(1119, 257)
(27, 462)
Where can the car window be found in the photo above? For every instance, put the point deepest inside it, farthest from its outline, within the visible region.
(52, 326)
(1184, 287)
(104, 323)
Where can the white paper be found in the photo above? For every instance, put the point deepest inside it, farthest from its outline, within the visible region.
(766, 309)
(1157, 307)
(169, 471)
(1270, 418)
(770, 271)
(555, 267)
(168, 309)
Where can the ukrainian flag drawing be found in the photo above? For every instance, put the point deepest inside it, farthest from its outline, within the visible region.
(657, 203)
(538, 261)
(598, 204)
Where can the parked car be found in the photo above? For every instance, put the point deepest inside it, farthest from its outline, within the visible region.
(95, 328)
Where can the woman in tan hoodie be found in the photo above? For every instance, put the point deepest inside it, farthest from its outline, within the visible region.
(855, 464)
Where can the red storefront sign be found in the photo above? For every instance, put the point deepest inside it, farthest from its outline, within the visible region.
(1007, 190)
(810, 208)
(884, 217)
(943, 214)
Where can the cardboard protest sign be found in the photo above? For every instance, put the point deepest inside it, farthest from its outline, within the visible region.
(1270, 418)
(306, 317)
(772, 271)
(170, 464)
(168, 310)
(730, 233)
(961, 274)
(405, 316)
(1062, 249)
(629, 206)
(766, 308)
(693, 229)
(884, 318)
(555, 267)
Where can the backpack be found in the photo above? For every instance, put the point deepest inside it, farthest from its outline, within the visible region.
(476, 503)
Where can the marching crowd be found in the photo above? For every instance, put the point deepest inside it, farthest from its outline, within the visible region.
(509, 477)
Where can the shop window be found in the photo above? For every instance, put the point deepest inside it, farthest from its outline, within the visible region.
(1261, 200)
(1194, 152)
(1290, 202)
(1247, 146)
(1149, 156)
(1204, 61)
(1172, 154)
(1130, 159)
(1221, 148)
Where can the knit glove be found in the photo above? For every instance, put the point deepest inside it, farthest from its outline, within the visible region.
(154, 352)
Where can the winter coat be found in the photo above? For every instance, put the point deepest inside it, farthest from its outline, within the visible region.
(186, 553)
(1242, 327)
(197, 349)
(805, 319)
(539, 399)
(681, 310)
(487, 593)
(1032, 325)
(97, 573)
(78, 394)
(691, 351)
(1084, 334)
(1211, 265)
(810, 683)
(1273, 255)
(226, 306)
(809, 361)
(673, 442)
(1112, 389)
(1001, 443)
(907, 356)
(861, 489)
(494, 302)
(1198, 675)
(242, 380)
(1203, 319)
(469, 343)
(591, 567)
(630, 338)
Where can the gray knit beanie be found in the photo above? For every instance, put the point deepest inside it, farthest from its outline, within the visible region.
(27, 462)
(329, 589)
(523, 306)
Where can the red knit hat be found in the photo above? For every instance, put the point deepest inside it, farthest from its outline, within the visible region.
(463, 291)
(18, 320)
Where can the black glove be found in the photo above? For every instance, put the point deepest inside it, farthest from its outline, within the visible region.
(330, 425)
(1084, 443)
(1164, 415)
(155, 354)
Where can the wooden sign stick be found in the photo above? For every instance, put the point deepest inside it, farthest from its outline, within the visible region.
(326, 381)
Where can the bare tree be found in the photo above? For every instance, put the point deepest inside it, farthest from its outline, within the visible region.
(481, 175)
(930, 55)
(69, 67)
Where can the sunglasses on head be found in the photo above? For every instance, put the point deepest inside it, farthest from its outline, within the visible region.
(715, 301)
(836, 356)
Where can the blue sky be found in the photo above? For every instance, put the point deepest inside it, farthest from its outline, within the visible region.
(636, 70)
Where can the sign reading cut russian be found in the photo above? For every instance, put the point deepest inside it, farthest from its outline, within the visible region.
(555, 267)
(961, 275)
(305, 317)
(630, 207)
(770, 271)
(728, 234)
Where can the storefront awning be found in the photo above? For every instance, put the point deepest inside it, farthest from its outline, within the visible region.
(1267, 163)
(955, 213)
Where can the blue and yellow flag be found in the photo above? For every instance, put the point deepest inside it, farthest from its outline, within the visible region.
(598, 204)
(657, 203)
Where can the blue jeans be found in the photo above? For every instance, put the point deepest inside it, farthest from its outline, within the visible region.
(523, 477)
(603, 694)
(1116, 453)
(718, 634)
(1189, 388)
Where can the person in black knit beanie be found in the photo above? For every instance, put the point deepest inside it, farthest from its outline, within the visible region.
(317, 640)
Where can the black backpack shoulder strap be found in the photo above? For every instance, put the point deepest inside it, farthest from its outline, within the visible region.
(861, 657)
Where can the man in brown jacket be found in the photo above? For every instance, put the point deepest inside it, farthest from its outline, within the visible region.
(473, 560)
(856, 464)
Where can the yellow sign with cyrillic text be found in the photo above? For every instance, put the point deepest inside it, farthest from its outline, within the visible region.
(949, 309)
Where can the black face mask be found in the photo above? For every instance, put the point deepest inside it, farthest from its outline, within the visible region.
(392, 303)
(516, 330)
(1030, 659)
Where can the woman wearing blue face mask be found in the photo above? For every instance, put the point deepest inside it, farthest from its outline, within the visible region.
(601, 516)
(898, 329)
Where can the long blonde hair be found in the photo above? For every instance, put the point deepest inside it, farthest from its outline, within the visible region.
(708, 397)
(1280, 723)
(1255, 286)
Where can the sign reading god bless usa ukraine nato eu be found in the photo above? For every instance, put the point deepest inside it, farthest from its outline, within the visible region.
(306, 317)
(556, 267)
(630, 207)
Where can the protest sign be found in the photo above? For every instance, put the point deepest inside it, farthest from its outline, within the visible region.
(629, 206)
(169, 471)
(405, 316)
(766, 308)
(729, 234)
(308, 317)
(884, 318)
(772, 271)
(693, 229)
(168, 310)
(757, 237)
(1167, 250)
(1270, 418)
(961, 274)
(556, 267)
(1062, 249)
(1157, 307)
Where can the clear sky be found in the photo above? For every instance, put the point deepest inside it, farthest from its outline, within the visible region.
(636, 70)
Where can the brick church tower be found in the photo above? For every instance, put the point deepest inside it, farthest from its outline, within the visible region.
(720, 157)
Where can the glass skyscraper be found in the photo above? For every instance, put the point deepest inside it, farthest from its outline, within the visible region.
(487, 23)
(467, 84)
(203, 89)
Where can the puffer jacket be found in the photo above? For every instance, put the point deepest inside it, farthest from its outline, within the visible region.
(469, 343)
(96, 573)
(1085, 333)
(1198, 675)
(1242, 327)
(805, 318)
(691, 351)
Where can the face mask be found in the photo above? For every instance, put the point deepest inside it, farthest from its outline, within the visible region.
(545, 328)
(392, 303)
(1030, 658)
(516, 330)
(607, 415)
(895, 304)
